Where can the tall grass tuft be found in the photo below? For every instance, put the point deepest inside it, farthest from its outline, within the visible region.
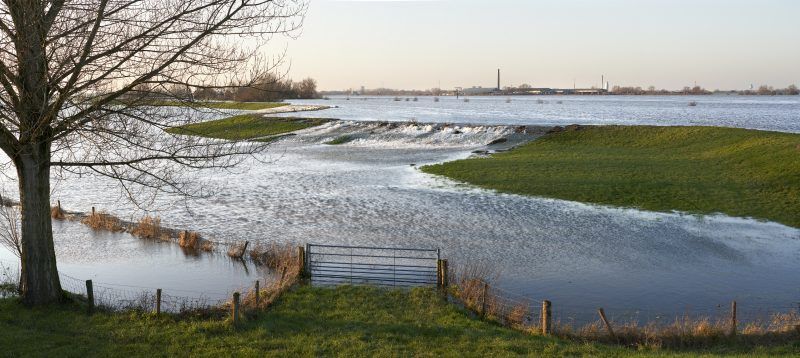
(189, 240)
(148, 227)
(57, 213)
(237, 251)
(103, 221)
(271, 255)
(284, 263)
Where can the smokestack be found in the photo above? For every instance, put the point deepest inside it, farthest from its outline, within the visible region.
(498, 79)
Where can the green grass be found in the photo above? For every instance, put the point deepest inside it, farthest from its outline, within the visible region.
(247, 126)
(340, 140)
(738, 172)
(346, 321)
(248, 106)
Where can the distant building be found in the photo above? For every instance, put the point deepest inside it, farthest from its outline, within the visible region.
(477, 91)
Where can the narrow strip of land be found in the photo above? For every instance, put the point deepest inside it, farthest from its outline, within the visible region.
(246, 106)
(738, 172)
(251, 126)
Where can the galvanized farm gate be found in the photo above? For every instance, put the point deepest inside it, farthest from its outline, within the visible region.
(384, 266)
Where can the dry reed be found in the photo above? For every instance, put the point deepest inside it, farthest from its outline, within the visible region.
(237, 251)
(57, 213)
(148, 228)
(286, 274)
(103, 221)
(271, 255)
(189, 240)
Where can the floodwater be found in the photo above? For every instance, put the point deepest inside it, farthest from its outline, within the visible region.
(371, 192)
(775, 113)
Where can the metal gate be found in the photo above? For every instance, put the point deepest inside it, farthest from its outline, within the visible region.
(385, 266)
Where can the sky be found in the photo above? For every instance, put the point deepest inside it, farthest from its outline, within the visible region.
(415, 44)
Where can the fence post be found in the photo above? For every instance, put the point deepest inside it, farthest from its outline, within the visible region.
(58, 202)
(445, 281)
(90, 295)
(93, 211)
(301, 260)
(235, 311)
(258, 294)
(483, 299)
(158, 301)
(547, 320)
(733, 319)
(438, 273)
(605, 322)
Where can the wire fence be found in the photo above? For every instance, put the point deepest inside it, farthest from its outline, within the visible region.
(515, 309)
(130, 297)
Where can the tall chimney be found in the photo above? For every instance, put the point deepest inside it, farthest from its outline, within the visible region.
(498, 79)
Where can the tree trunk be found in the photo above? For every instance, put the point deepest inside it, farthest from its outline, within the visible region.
(39, 277)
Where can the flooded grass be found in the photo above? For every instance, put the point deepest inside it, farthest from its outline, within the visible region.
(103, 221)
(247, 126)
(738, 172)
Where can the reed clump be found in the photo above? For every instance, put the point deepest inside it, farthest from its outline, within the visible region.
(189, 240)
(103, 221)
(148, 227)
(237, 251)
(272, 255)
(57, 213)
(285, 267)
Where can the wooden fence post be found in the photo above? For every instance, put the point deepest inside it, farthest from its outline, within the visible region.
(547, 319)
(483, 299)
(158, 301)
(733, 319)
(605, 322)
(90, 295)
(58, 202)
(439, 273)
(258, 294)
(445, 281)
(93, 211)
(301, 260)
(235, 311)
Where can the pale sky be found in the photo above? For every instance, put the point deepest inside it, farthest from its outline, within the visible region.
(725, 44)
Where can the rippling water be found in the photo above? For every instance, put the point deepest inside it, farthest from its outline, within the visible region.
(777, 113)
(371, 192)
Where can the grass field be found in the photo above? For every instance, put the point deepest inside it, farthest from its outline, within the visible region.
(738, 172)
(247, 106)
(346, 321)
(247, 126)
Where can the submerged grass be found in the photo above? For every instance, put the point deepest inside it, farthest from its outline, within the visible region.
(307, 321)
(247, 126)
(738, 172)
(340, 140)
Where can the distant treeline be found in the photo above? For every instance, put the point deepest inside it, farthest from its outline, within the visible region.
(270, 89)
(791, 90)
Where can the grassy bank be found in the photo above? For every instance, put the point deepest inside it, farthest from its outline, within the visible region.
(247, 106)
(739, 172)
(347, 321)
(247, 126)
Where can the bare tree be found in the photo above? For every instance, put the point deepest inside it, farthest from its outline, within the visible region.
(76, 78)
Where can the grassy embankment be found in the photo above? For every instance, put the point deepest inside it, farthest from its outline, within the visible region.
(738, 172)
(248, 127)
(247, 106)
(346, 321)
